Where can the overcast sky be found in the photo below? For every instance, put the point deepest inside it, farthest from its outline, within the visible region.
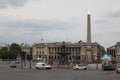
(29, 21)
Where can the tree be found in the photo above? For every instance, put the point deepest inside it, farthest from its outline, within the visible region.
(14, 49)
(4, 53)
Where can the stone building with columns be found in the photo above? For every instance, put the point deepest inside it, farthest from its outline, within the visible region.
(77, 51)
(115, 51)
(26, 48)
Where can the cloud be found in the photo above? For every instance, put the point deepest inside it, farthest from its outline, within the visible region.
(114, 13)
(32, 27)
(12, 3)
(42, 25)
(100, 21)
(33, 30)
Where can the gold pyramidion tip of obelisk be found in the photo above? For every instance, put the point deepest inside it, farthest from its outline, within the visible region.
(88, 12)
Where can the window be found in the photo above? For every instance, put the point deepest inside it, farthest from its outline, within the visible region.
(43, 64)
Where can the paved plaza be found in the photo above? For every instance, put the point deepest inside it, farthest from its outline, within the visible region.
(7, 73)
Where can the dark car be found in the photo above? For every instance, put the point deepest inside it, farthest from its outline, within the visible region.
(107, 66)
(13, 64)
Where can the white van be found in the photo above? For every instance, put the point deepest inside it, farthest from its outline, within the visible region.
(42, 65)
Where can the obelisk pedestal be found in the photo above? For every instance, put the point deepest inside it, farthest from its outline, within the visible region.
(88, 56)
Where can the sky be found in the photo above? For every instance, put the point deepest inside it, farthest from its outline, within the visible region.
(34, 21)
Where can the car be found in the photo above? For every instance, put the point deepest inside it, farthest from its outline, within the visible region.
(42, 65)
(118, 69)
(17, 62)
(107, 66)
(13, 64)
(79, 67)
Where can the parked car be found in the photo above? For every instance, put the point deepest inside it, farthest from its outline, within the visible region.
(42, 65)
(80, 67)
(118, 69)
(13, 64)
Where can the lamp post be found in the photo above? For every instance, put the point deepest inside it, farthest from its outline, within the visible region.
(30, 61)
(86, 59)
(30, 58)
(96, 59)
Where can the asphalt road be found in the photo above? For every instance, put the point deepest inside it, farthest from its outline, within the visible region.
(7, 73)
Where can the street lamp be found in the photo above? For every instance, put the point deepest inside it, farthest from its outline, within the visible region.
(96, 59)
(30, 57)
(86, 59)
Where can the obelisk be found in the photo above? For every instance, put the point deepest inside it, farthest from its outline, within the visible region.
(88, 50)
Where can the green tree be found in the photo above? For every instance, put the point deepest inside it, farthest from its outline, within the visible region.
(4, 53)
(14, 50)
